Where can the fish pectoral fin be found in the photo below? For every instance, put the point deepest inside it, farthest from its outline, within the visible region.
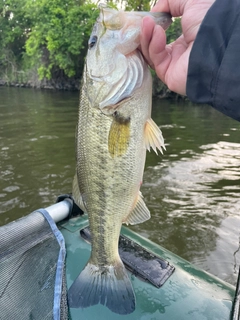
(140, 213)
(153, 137)
(76, 194)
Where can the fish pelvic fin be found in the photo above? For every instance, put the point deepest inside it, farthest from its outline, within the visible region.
(153, 137)
(140, 213)
(77, 194)
(107, 285)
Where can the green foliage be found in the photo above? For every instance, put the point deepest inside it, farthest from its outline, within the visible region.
(13, 32)
(174, 31)
(59, 35)
(12, 27)
(138, 5)
(51, 36)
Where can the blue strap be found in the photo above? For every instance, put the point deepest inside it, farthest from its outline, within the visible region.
(60, 264)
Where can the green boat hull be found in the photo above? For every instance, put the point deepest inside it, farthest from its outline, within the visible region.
(188, 294)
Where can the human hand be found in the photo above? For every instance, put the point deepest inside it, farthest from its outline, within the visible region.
(171, 61)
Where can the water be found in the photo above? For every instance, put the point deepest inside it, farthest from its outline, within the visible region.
(192, 190)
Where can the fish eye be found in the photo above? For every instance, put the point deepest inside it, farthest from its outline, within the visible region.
(92, 42)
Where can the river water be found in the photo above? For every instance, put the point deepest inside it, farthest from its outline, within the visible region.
(192, 191)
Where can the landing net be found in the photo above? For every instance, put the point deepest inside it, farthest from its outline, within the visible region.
(32, 275)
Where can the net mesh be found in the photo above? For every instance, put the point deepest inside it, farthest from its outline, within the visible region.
(29, 267)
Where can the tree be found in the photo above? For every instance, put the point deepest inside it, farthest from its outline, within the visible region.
(138, 5)
(14, 27)
(49, 37)
(59, 36)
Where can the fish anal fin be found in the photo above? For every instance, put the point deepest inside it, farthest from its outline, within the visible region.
(119, 136)
(107, 285)
(140, 213)
(77, 194)
(153, 136)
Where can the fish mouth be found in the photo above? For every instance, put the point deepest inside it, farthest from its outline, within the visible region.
(164, 19)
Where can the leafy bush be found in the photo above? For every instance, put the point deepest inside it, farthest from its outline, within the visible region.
(50, 36)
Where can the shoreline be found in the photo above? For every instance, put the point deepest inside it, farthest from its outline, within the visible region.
(72, 85)
(160, 90)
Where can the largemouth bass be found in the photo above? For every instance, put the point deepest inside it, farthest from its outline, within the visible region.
(114, 130)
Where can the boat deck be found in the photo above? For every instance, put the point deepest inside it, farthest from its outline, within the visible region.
(188, 293)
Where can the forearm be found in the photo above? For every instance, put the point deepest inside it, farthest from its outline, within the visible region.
(214, 67)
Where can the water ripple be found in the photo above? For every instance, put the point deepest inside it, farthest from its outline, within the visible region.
(191, 199)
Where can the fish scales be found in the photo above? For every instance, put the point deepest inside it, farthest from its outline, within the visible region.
(114, 129)
(108, 183)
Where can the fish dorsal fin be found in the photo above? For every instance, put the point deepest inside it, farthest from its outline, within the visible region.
(153, 136)
(140, 213)
(77, 194)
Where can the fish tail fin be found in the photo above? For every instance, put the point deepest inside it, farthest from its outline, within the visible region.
(108, 285)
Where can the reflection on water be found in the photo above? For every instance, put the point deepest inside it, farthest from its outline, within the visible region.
(192, 190)
(199, 213)
(36, 149)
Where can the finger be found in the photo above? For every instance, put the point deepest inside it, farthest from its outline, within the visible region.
(146, 35)
(176, 8)
(159, 54)
(161, 6)
(176, 74)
